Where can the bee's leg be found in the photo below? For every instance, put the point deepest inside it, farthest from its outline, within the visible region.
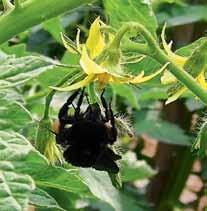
(112, 121)
(106, 161)
(105, 106)
(80, 101)
(109, 118)
(63, 113)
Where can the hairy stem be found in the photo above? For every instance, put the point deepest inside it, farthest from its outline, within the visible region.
(33, 12)
(153, 50)
(92, 93)
(49, 97)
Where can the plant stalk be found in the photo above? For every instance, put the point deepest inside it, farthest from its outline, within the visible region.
(31, 13)
(92, 93)
(49, 97)
(153, 50)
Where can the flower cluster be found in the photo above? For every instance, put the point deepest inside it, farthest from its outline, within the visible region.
(100, 60)
(193, 65)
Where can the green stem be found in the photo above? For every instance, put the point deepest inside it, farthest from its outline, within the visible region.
(143, 48)
(33, 12)
(135, 47)
(36, 96)
(153, 50)
(92, 93)
(49, 97)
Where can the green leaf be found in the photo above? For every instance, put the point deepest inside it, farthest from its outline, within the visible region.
(14, 190)
(156, 4)
(14, 187)
(181, 15)
(3, 56)
(120, 11)
(54, 27)
(19, 50)
(100, 185)
(163, 131)
(15, 71)
(126, 92)
(188, 49)
(46, 175)
(50, 78)
(70, 58)
(37, 166)
(26, 160)
(42, 199)
(149, 92)
(133, 169)
(147, 64)
(67, 200)
(13, 114)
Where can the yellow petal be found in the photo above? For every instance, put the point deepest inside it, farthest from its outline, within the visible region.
(141, 78)
(137, 78)
(179, 60)
(77, 85)
(168, 78)
(176, 95)
(95, 42)
(69, 45)
(88, 65)
(201, 80)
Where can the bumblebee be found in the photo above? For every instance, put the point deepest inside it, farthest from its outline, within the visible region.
(87, 136)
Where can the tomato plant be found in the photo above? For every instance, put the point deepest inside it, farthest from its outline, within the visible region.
(102, 105)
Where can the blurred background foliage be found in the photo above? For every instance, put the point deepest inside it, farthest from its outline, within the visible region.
(159, 171)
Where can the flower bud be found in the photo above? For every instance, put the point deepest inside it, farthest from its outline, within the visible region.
(200, 144)
(46, 143)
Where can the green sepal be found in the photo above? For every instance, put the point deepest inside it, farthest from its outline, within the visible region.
(45, 142)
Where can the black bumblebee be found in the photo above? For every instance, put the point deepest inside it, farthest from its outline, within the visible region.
(87, 136)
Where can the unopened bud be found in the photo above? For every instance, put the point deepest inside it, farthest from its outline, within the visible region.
(200, 144)
(45, 142)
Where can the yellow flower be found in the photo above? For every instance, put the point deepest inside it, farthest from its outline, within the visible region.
(169, 78)
(99, 62)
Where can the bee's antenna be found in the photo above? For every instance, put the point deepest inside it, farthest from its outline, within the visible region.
(87, 99)
(73, 106)
(53, 132)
